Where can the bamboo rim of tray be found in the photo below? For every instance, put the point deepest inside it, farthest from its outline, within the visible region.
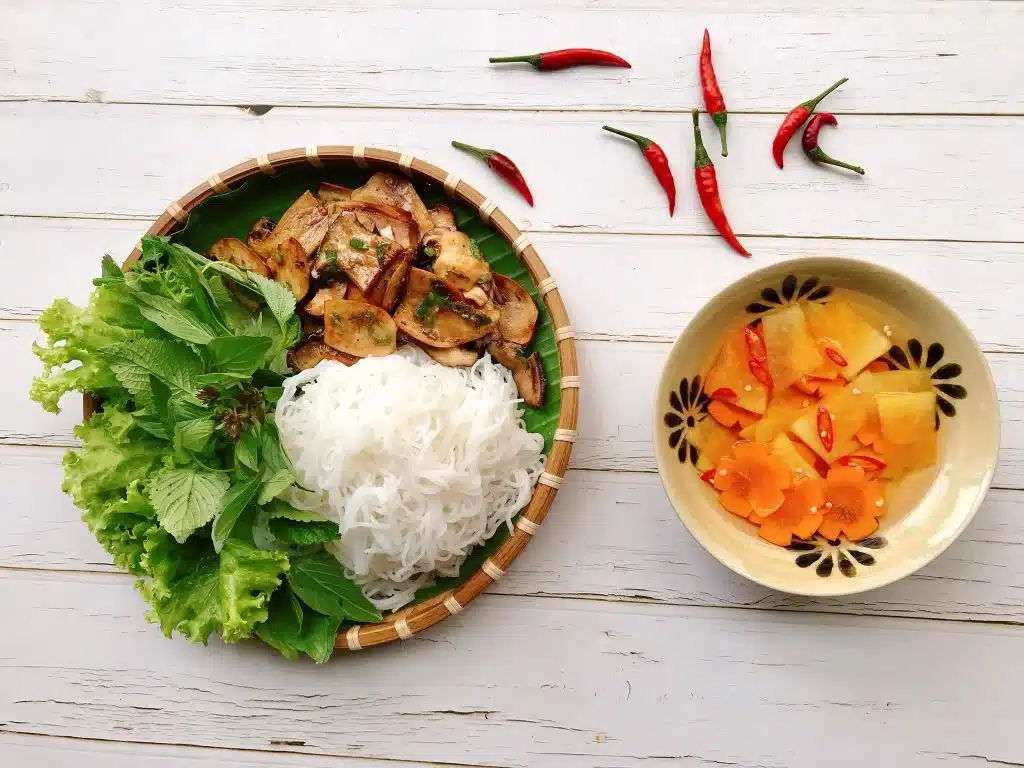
(410, 621)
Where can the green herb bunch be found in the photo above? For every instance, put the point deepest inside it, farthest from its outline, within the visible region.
(181, 471)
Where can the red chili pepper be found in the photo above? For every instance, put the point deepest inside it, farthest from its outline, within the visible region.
(502, 166)
(707, 190)
(724, 394)
(867, 463)
(810, 142)
(713, 100)
(836, 356)
(658, 161)
(825, 429)
(708, 476)
(756, 347)
(759, 372)
(795, 119)
(563, 59)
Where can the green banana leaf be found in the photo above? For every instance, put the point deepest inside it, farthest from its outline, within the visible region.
(231, 215)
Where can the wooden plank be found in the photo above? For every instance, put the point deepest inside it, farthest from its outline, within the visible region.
(616, 286)
(59, 752)
(912, 57)
(39, 526)
(527, 682)
(25, 422)
(45, 258)
(123, 160)
(615, 410)
(612, 535)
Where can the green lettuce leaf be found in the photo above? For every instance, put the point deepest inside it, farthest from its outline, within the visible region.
(122, 524)
(248, 577)
(229, 592)
(103, 478)
(69, 355)
(153, 273)
(114, 452)
(166, 561)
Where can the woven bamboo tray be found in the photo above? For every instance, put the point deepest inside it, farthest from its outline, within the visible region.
(406, 623)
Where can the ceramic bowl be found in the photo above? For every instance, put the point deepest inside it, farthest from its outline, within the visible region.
(925, 512)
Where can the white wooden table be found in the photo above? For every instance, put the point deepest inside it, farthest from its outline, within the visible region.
(614, 640)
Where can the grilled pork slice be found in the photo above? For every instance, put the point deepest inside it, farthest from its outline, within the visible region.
(312, 352)
(453, 357)
(431, 313)
(358, 329)
(457, 259)
(385, 220)
(518, 312)
(354, 294)
(234, 251)
(333, 193)
(315, 306)
(388, 290)
(293, 269)
(442, 217)
(388, 189)
(527, 370)
(306, 221)
(352, 249)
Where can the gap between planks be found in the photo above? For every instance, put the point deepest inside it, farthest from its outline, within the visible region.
(30, 317)
(570, 229)
(313, 759)
(577, 602)
(483, 107)
(108, 575)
